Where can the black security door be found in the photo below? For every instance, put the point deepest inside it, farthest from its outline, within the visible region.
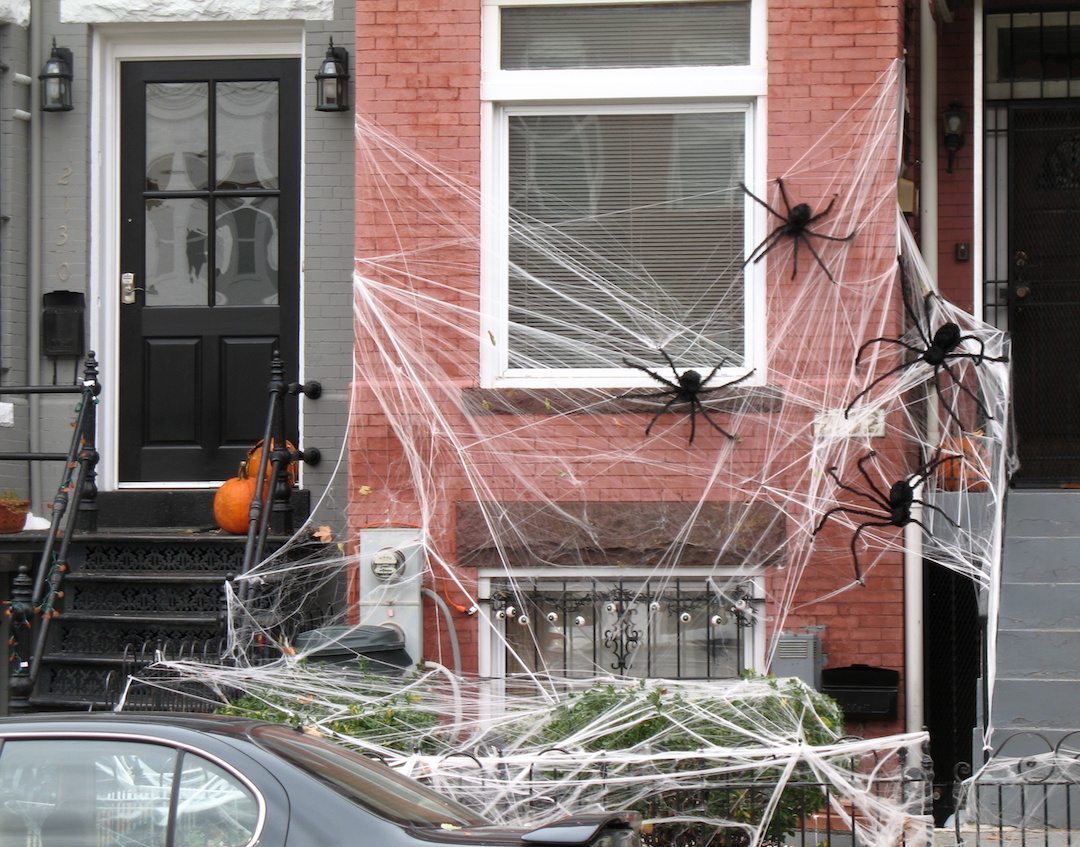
(1044, 244)
(209, 260)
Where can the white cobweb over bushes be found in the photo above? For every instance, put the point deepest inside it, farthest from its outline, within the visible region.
(474, 425)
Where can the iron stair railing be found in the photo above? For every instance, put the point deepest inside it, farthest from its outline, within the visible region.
(74, 508)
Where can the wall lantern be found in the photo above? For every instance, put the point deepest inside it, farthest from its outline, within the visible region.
(953, 125)
(332, 81)
(56, 81)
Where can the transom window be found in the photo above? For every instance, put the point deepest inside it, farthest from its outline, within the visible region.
(614, 163)
(583, 627)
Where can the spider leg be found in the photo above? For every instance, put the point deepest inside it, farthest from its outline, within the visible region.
(693, 418)
(761, 202)
(843, 486)
(783, 195)
(847, 509)
(876, 382)
(762, 250)
(861, 464)
(736, 381)
(855, 541)
(671, 364)
(967, 391)
(651, 373)
(712, 373)
(813, 252)
(696, 404)
(897, 341)
(817, 234)
(656, 417)
(979, 357)
(934, 508)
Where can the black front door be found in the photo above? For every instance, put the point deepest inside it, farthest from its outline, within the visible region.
(1044, 289)
(209, 252)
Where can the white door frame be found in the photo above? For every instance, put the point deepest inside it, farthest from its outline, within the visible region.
(112, 45)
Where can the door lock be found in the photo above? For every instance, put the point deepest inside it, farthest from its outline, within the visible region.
(1022, 291)
(1020, 258)
(128, 288)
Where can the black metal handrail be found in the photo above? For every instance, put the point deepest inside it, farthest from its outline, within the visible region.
(277, 454)
(73, 508)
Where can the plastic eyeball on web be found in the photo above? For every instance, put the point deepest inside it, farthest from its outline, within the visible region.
(552, 617)
(654, 606)
(611, 607)
(523, 620)
(579, 621)
(510, 611)
(685, 617)
(741, 603)
(500, 614)
(716, 620)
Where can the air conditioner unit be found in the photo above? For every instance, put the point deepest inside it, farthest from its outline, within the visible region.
(800, 656)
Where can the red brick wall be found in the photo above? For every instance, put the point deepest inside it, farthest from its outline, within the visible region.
(417, 75)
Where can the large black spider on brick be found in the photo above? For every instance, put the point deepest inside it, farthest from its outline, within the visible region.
(886, 508)
(796, 224)
(686, 388)
(937, 348)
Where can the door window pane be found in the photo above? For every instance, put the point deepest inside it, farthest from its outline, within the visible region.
(246, 251)
(177, 139)
(84, 793)
(247, 135)
(214, 809)
(176, 252)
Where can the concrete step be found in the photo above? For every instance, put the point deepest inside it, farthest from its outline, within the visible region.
(1042, 512)
(1022, 703)
(1041, 559)
(1040, 605)
(1038, 654)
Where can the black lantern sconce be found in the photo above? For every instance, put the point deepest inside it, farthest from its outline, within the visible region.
(952, 121)
(56, 81)
(332, 81)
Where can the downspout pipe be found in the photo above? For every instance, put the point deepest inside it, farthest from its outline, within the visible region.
(914, 677)
(35, 253)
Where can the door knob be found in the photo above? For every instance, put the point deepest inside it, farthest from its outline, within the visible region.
(128, 288)
(1022, 291)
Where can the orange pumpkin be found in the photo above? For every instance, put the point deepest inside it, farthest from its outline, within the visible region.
(232, 502)
(964, 465)
(255, 455)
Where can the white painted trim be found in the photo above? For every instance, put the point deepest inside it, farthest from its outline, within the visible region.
(978, 177)
(165, 11)
(113, 45)
(668, 84)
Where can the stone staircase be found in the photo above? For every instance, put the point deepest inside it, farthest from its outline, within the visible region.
(1038, 667)
(150, 580)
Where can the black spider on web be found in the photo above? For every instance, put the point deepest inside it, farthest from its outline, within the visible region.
(687, 388)
(938, 348)
(796, 223)
(891, 508)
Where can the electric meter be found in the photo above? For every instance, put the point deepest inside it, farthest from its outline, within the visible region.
(388, 564)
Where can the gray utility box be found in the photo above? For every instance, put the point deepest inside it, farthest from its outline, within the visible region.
(863, 691)
(799, 656)
(381, 649)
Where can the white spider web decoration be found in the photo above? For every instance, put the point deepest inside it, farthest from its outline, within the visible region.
(527, 468)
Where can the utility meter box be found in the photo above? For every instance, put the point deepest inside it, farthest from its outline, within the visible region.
(391, 576)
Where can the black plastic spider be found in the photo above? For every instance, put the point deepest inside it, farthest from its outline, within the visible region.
(894, 507)
(936, 351)
(796, 223)
(687, 388)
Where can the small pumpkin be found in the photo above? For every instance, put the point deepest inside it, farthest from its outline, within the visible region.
(964, 464)
(255, 455)
(232, 502)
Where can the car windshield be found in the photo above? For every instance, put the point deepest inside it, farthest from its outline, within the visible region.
(369, 783)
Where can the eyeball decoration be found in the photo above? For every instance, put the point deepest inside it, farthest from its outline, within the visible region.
(500, 614)
(579, 621)
(654, 606)
(552, 617)
(523, 620)
(685, 617)
(611, 607)
(510, 611)
(717, 620)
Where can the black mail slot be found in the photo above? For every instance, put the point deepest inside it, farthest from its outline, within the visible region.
(863, 691)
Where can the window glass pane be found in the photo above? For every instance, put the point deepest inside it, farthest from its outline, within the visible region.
(246, 251)
(177, 135)
(677, 628)
(625, 228)
(625, 36)
(247, 134)
(176, 252)
(213, 807)
(84, 793)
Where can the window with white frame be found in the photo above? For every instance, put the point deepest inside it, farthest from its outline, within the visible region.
(617, 136)
(640, 626)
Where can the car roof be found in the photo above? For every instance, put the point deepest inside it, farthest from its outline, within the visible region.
(115, 721)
